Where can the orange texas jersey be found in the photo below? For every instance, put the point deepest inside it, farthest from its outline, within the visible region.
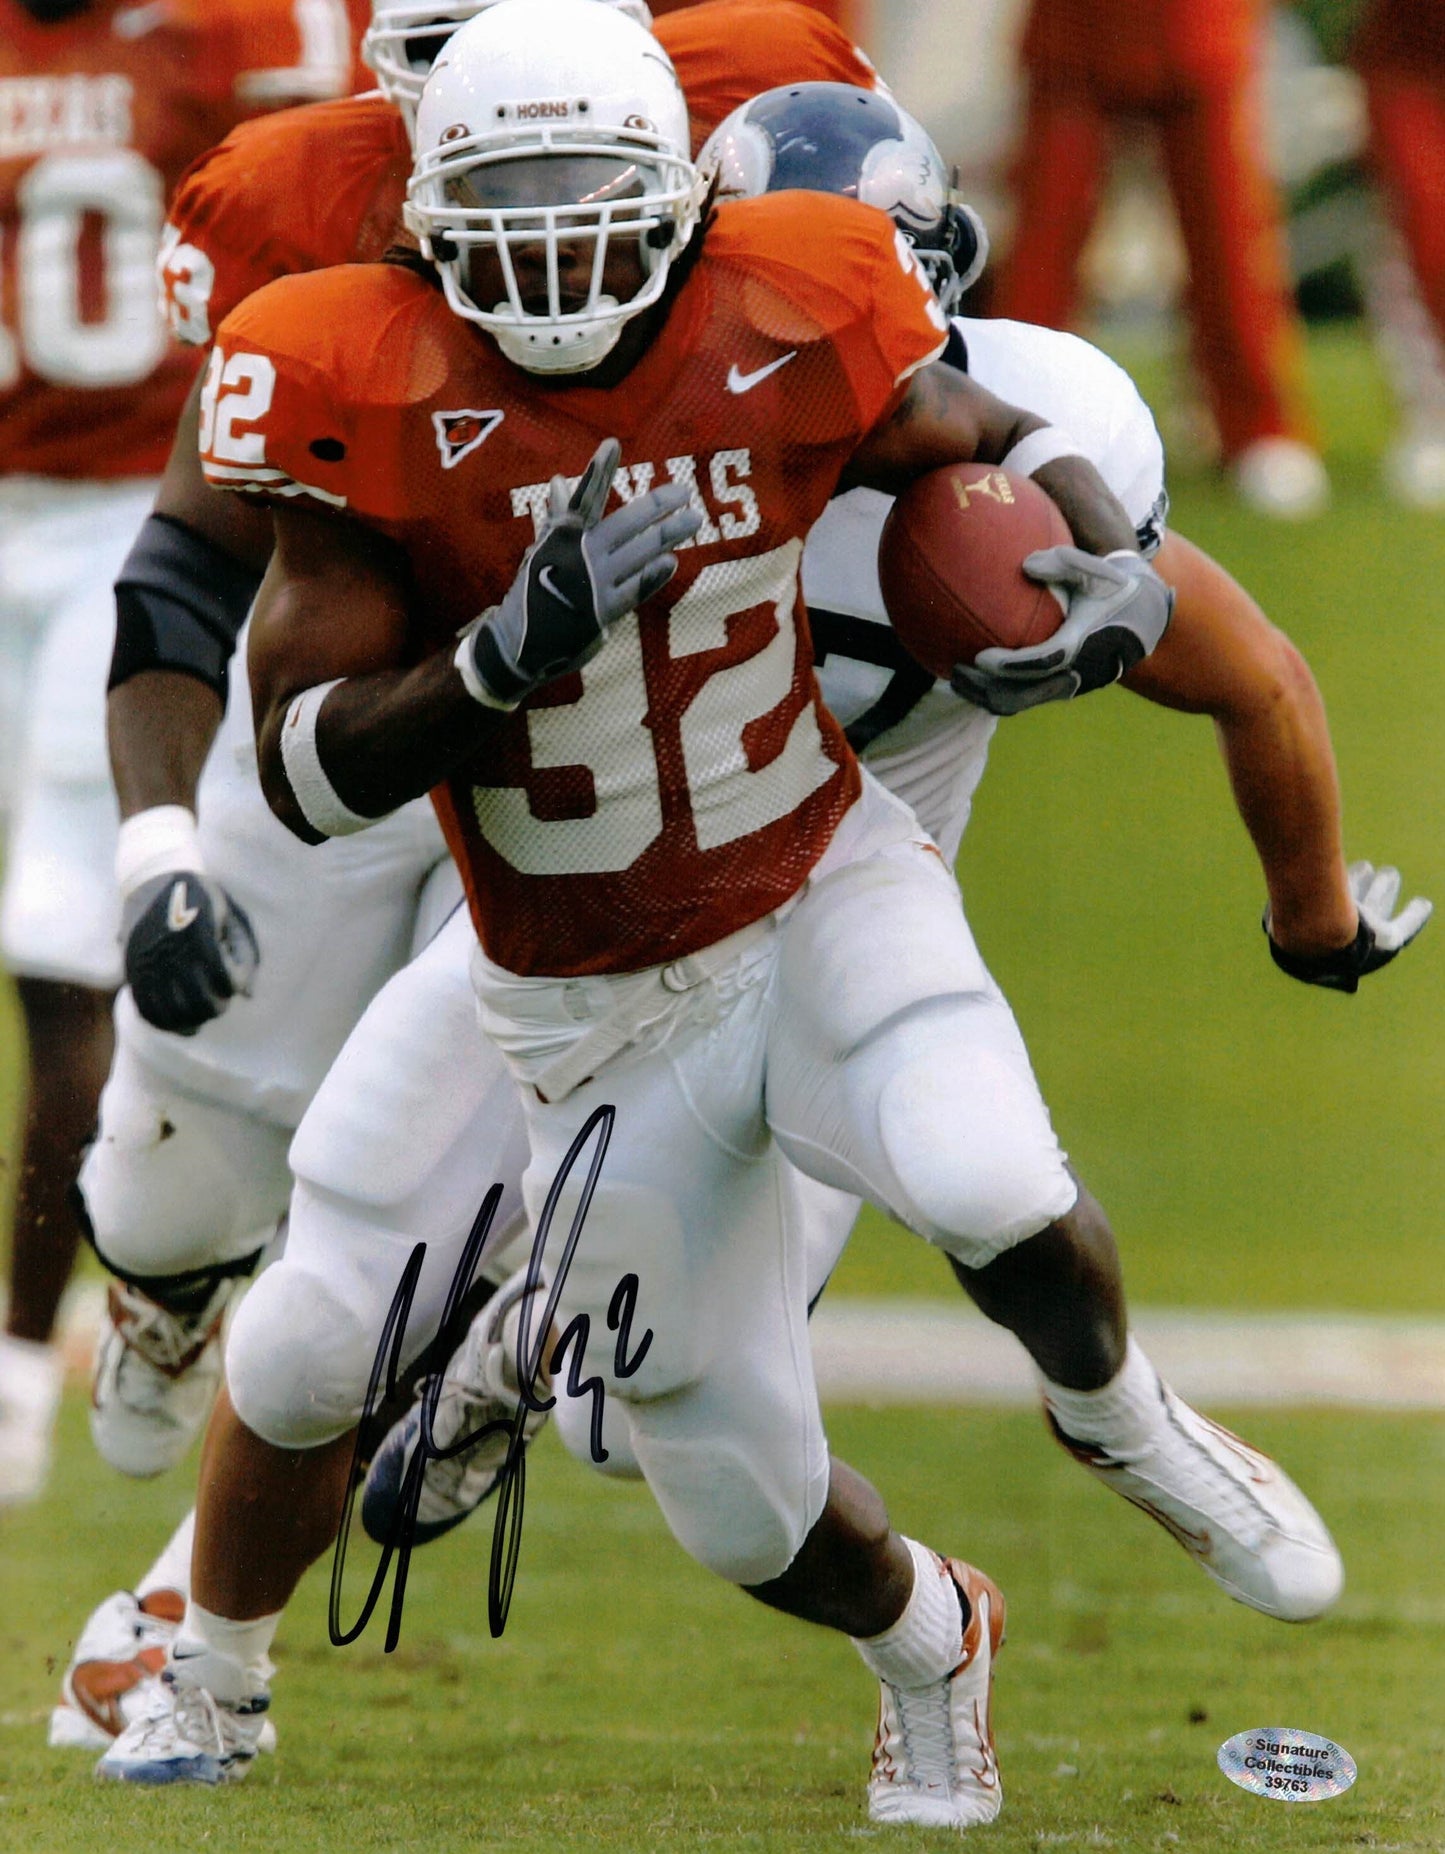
(683, 783)
(725, 51)
(98, 117)
(313, 187)
(291, 192)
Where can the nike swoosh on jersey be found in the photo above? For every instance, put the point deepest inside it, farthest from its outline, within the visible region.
(178, 915)
(740, 382)
(548, 584)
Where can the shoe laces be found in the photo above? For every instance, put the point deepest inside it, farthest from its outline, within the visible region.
(161, 1337)
(926, 1725)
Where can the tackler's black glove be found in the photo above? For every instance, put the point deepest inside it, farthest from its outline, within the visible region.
(189, 949)
(585, 572)
(1379, 939)
(1118, 608)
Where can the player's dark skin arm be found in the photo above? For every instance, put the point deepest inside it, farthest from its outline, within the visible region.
(160, 724)
(946, 418)
(1222, 657)
(334, 603)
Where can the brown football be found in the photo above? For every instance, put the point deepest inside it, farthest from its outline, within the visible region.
(949, 563)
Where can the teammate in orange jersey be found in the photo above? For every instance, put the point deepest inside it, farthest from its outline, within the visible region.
(1189, 69)
(101, 107)
(647, 839)
(1399, 50)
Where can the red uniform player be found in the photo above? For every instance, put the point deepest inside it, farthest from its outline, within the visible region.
(1399, 50)
(1188, 69)
(101, 108)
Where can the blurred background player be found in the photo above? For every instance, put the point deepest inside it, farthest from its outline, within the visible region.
(1399, 51)
(1189, 70)
(101, 107)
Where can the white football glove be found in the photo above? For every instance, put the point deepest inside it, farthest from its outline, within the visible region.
(1382, 933)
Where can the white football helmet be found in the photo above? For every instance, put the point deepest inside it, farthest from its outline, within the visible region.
(834, 138)
(404, 37)
(552, 124)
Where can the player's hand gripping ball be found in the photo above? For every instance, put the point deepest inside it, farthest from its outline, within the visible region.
(950, 564)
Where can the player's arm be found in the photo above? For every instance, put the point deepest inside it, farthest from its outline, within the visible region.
(1117, 606)
(1223, 658)
(329, 634)
(345, 732)
(181, 599)
(945, 418)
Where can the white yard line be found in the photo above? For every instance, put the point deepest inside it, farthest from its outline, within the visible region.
(923, 1351)
(895, 1351)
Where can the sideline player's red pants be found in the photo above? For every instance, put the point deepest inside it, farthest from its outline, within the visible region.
(1246, 337)
(1407, 142)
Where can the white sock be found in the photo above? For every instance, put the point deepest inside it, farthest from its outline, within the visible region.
(172, 1570)
(1122, 1417)
(926, 1641)
(245, 1645)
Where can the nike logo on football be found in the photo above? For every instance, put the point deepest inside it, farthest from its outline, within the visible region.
(740, 382)
(549, 585)
(178, 915)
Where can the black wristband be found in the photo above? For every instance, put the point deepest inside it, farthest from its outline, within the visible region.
(1339, 970)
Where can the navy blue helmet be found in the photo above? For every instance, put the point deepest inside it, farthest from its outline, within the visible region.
(833, 138)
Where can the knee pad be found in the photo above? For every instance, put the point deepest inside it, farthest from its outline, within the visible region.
(298, 1360)
(965, 1133)
(174, 1186)
(735, 1521)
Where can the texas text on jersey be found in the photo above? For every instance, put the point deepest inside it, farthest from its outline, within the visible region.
(319, 186)
(98, 117)
(622, 817)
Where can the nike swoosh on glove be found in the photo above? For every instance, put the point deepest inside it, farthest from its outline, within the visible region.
(1382, 933)
(1118, 608)
(189, 949)
(585, 572)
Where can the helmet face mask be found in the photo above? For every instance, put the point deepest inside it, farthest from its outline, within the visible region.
(553, 184)
(405, 38)
(833, 138)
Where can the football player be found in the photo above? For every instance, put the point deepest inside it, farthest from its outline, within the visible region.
(673, 862)
(311, 188)
(188, 1175)
(101, 107)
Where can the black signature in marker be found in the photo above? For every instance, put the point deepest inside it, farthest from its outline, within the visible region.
(512, 1478)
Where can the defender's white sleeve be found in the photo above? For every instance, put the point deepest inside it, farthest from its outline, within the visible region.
(933, 750)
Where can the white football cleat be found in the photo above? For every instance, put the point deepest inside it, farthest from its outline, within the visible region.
(479, 1392)
(934, 1764)
(30, 1380)
(156, 1377)
(203, 1723)
(112, 1674)
(1282, 477)
(1238, 1515)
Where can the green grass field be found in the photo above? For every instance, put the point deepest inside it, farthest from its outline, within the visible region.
(635, 1702)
